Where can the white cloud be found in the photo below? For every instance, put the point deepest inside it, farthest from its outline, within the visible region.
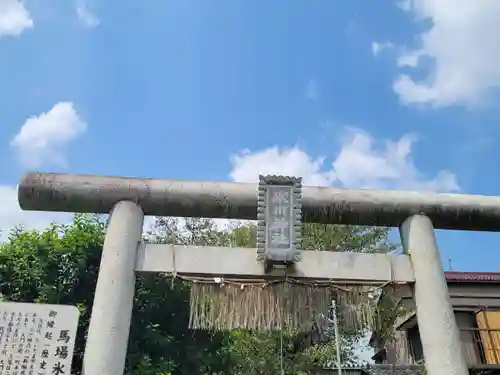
(463, 43)
(43, 139)
(14, 18)
(362, 162)
(293, 161)
(86, 16)
(377, 47)
(312, 90)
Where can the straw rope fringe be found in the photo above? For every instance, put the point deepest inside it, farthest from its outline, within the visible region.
(257, 305)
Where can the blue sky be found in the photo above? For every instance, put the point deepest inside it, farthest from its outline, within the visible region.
(345, 93)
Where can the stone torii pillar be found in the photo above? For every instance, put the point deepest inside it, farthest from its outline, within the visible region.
(132, 198)
(436, 321)
(108, 334)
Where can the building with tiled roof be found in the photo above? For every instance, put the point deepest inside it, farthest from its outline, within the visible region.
(482, 277)
(475, 297)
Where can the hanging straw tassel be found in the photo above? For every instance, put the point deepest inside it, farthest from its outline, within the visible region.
(266, 306)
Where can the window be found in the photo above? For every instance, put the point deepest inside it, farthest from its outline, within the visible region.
(488, 322)
(469, 337)
(415, 344)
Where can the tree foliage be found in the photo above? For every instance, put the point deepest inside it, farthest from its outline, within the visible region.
(60, 265)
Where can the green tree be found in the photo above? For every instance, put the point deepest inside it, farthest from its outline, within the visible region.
(256, 353)
(60, 265)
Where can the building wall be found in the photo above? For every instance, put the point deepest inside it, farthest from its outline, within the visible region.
(474, 295)
(467, 299)
(406, 347)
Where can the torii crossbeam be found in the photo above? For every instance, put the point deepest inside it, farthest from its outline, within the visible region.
(129, 199)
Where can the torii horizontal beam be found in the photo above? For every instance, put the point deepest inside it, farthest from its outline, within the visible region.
(98, 194)
(240, 263)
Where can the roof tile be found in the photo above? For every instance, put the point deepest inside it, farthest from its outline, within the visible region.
(473, 276)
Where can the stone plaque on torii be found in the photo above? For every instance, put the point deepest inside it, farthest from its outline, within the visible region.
(127, 200)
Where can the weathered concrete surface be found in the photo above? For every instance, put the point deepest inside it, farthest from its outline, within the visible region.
(438, 329)
(241, 263)
(109, 326)
(98, 194)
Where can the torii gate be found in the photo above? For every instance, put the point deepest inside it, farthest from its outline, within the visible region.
(129, 199)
